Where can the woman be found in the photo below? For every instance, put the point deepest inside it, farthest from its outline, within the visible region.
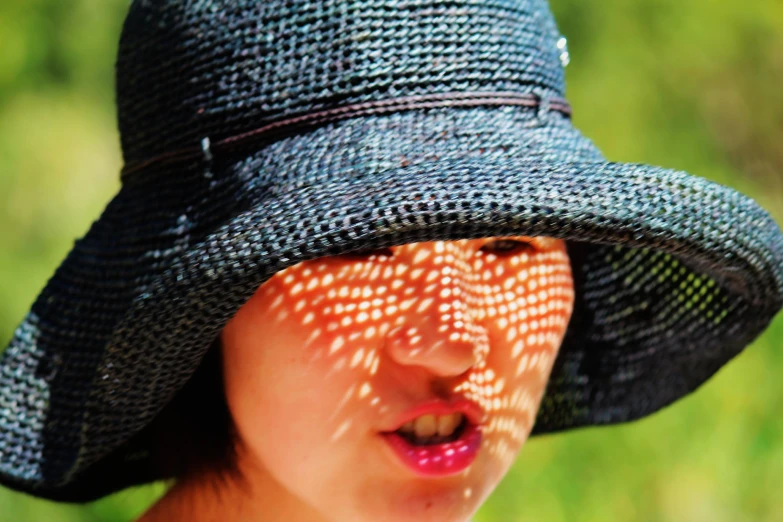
(262, 141)
(414, 370)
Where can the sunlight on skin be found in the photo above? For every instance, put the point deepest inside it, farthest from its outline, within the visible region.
(330, 352)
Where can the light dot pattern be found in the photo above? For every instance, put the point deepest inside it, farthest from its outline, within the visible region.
(485, 325)
(685, 298)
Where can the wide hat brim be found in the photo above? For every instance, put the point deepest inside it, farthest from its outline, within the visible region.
(674, 274)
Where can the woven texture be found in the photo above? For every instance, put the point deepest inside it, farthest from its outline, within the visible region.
(674, 275)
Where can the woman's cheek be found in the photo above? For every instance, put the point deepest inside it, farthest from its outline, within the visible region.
(283, 407)
(312, 366)
(334, 316)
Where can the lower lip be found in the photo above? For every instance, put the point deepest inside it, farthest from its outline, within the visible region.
(438, 460)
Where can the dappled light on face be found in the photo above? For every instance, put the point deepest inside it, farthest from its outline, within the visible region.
(526, 306)
(477, 319)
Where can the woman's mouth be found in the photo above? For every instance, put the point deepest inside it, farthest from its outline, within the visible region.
(436, 445)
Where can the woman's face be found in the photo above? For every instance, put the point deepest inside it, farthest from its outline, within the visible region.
(397, 384)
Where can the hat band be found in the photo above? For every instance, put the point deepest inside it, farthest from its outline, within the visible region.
(281, 127)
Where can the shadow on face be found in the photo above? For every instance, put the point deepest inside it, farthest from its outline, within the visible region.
(333, 351)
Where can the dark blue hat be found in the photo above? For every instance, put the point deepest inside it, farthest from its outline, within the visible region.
(259, 134)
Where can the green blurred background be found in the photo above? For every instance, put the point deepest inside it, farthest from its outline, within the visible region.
(694, 85)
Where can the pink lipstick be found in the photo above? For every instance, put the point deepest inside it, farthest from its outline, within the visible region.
(437, 455)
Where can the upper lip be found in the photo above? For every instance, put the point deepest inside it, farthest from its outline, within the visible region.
(472, 411)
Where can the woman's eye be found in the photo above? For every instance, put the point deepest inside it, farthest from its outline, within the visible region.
(506, 247)
(368, 252)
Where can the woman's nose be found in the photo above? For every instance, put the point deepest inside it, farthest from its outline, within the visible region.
(438, 329)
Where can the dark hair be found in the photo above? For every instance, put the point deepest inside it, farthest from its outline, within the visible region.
(194, 433)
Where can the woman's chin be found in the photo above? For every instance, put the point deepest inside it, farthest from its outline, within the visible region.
(423, 501)
(399, 494)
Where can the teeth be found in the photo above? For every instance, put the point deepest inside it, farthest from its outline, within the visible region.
(430, 425)
(425, 426)
(448, 423)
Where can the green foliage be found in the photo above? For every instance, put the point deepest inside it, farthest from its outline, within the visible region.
(689, 85)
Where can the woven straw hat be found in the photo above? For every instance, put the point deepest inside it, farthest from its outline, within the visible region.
(259, 134)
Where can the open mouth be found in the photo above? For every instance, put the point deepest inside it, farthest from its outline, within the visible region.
(436, 445)
(429, 430)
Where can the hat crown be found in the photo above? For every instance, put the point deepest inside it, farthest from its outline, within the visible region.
(194, 69)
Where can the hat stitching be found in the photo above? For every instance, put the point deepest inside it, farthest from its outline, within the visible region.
(429, 101)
